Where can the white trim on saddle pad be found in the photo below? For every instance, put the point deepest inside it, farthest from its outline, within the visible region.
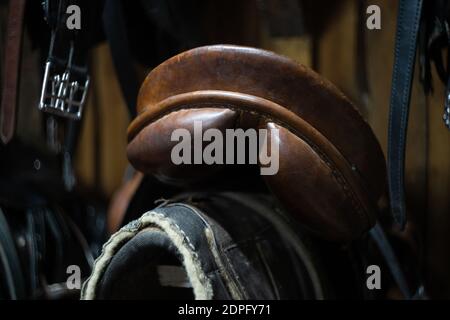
(201, 284)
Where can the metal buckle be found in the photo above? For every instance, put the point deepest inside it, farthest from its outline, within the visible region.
(65, 86)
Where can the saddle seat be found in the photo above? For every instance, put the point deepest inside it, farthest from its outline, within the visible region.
(331, 167)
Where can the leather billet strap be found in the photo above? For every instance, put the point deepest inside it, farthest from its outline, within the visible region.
(408, 21)
(11, 66)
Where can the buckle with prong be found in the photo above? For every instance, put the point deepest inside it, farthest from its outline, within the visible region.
(65, 85)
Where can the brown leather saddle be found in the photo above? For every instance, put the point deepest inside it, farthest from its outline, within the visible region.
(331, 167)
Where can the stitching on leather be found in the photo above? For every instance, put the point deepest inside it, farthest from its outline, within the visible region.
(186, 240)
(88, 291)
(411, 54)
(356, 203)
(394, 90)
(175, 226)
(395, 184)
(236, 276)
(394, 94)
(214, 247)
(230, 283)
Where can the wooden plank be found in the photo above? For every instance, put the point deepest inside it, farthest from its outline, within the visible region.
(111, 128)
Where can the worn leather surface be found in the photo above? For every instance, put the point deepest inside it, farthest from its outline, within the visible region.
(402, 75)
(249, 252)
(332, 170)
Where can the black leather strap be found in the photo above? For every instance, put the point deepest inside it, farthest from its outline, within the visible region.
(408, 21)
(380, 239)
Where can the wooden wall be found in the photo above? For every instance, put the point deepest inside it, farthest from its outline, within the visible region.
(101, 158)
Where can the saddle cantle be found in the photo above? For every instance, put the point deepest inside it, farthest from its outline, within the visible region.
(331, 167)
